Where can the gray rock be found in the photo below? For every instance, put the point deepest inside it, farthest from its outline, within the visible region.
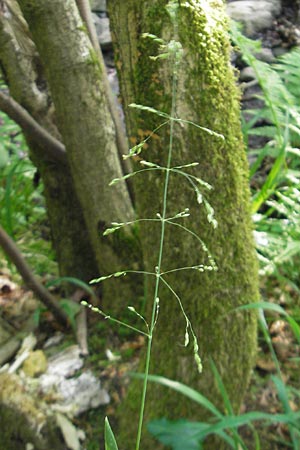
(266, 55)
(113, 80)
(56, 339)
(76, 394)
(280, 51)
(256, 15)
(65, 363)
(103, 31)
(247, 74)
(83, 393)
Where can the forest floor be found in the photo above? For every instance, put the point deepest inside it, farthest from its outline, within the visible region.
(114, 352)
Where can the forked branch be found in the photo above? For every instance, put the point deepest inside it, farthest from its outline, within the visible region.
(30, 280)
(54, 148)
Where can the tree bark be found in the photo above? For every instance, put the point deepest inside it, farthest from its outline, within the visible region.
(206, 95)
(25, 419)
(74, 76)
(25, 77)
(121, 139)
(52, 147)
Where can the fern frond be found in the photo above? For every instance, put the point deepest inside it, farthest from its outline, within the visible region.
(288, 67)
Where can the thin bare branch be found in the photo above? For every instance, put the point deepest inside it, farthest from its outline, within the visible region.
(81, 323)
(30, 280)
(54, 149)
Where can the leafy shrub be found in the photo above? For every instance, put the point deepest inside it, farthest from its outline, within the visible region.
(275, 204)
(22, 210)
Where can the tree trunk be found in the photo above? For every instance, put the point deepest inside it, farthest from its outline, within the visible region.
(206, 95)
(24, 75)
(87, 130)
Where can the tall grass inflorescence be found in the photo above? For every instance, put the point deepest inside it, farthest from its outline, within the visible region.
(172, 53)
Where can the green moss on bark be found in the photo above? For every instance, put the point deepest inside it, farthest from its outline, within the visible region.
(208, 96)
(23, 421)
(16, 433)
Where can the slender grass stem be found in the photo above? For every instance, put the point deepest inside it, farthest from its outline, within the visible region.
(160, 255)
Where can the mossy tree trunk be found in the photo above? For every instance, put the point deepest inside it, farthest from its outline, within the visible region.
(25, 419)
(25, 77)
(207, 95)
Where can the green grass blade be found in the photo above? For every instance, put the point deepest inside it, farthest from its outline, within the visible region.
(76, 281)
(182, 434)
(270, 184)
(275, 308)
(7, 199)
(283, 397)
(110, 441)
(182, 389)
(231, 422)
(221, 388)
(227, 403)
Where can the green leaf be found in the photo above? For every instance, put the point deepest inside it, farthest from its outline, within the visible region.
(178, 434)
(182, 434)
(275, 308)
(37, 315)
(110, 441)
(182, 389)
(247, 418)
(221, 388)
(71, 309)
(72, 280)
(3, 156)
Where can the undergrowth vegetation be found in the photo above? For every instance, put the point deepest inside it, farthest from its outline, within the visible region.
(276, 203)
(22, 211)
(276, 213)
